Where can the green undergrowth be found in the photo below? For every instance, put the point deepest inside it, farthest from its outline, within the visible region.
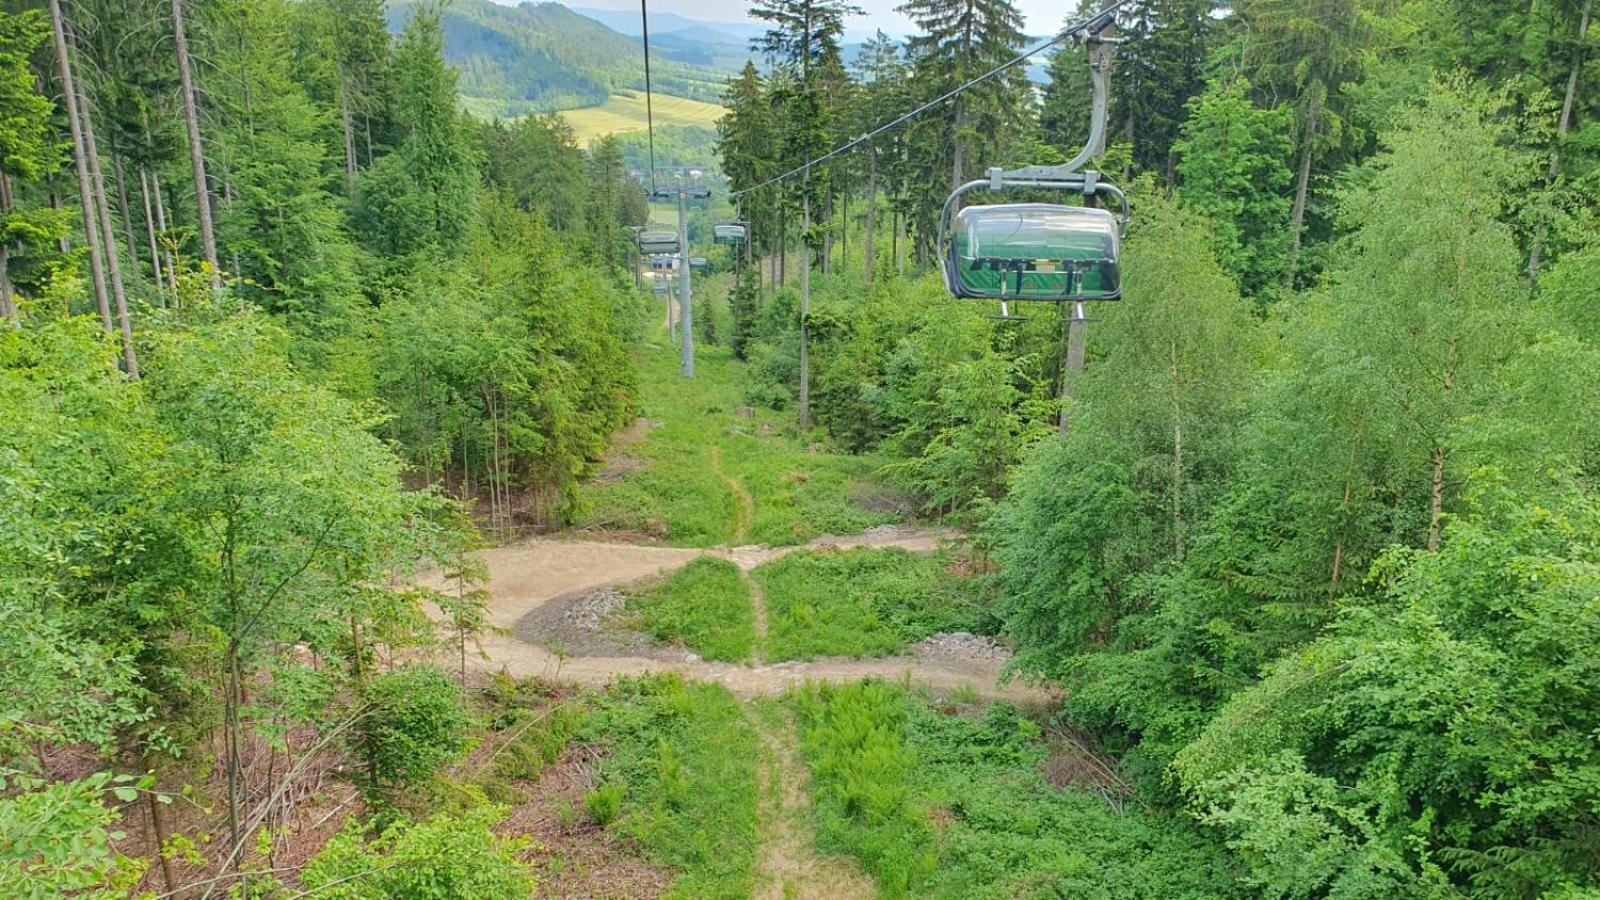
(863, 602)
(937, 805)
(705, 606)
(707, 436)
(677, 771)
(682, 755)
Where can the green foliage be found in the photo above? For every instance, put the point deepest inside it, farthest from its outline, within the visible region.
(1434, 736)
(421, 195)
(704, 440)
(414, 722)
(1234, 165)
(686, 753)
(947, 806)
(604, 803)
(704, 606)
(58, 838)
(446, 856)
(862, 602)
(510, 365)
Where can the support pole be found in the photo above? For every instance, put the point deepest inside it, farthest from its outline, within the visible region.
(1101, 53)
(805, 305)
(686, 294)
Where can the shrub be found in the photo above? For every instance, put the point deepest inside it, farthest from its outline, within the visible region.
(604, 803)
(415, 723)
(445, 856)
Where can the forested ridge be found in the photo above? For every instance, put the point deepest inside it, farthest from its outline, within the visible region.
(1297, 575)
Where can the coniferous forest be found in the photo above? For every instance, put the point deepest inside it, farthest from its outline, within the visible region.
(360, 536)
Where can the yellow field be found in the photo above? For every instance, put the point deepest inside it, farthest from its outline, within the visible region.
(624, 112)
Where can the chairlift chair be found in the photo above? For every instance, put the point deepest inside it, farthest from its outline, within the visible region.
(1034, 251)
(729, 233)
(658, 240)
(661, 264)
(698, 262)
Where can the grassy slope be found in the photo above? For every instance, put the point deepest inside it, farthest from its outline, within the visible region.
(682, 757)
(861, 602)
(624, 112)
(685, 755)
(939, 805)
(684, 485)
(704, 606)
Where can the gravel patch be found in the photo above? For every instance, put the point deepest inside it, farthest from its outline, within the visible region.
(959, 645)
(592, 623)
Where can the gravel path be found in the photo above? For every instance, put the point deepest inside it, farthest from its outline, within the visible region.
(550, 600)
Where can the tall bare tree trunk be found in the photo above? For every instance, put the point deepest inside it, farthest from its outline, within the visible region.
(1302, 192)
(122, 204)
(1436, 499)
(197, 155)
(1344, 517)
(783, 246)
(108, 235)
(80, 157)
(900, 242)
(1177, 456)
(150, 226)
(349, 133)
(8, 305)
(161, 223)
(1562, 127)
(158, 828)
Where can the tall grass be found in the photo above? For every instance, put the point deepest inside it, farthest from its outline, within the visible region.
(862, 602)
(948, 806)
(707, 437)
(704, 606)
(683, 756)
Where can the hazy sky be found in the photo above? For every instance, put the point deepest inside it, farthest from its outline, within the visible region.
(1043, 17)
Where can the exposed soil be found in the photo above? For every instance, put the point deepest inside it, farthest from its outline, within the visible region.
(526, 578)
(572, 856)
(744, 504)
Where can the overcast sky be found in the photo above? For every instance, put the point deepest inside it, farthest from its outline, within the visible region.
(1043, 17)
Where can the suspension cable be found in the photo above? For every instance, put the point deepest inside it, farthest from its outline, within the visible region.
(649, 112)
(1093, 25)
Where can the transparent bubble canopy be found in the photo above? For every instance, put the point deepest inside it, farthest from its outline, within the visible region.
(658, 241)
(1035, 251)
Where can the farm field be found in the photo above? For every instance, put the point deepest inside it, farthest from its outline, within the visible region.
(625, 112)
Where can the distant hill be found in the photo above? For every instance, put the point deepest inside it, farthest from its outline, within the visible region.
(627, 22)
(543, 57)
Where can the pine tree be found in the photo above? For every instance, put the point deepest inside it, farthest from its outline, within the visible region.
(28, 149)
(1234, 167)
(1307, 51)
(421, 195)
(963, 39)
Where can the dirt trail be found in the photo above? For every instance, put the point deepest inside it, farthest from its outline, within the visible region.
(524, 577)
(758, 602)
(787, 863)
(745, 505)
